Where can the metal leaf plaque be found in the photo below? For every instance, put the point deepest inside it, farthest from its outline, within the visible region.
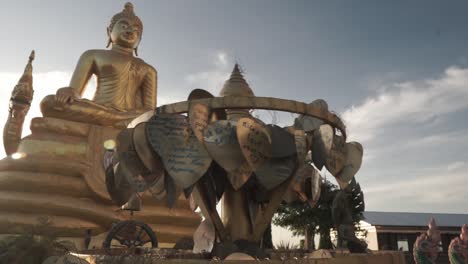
(275, 171)
(309, 123)
(301, 145)
(147, 155)
(298, 184)
(130, 165)
(141, 118)
(315, 187)
(221, 143)
(321, 145)
(282, 142)
(199, 117)
(254, 141)
(133, 170)
(239, 176)
(336, 158)
(305, 185)
(204, 237)
(199, 94)
(158, 189)
(353, 161)
(184, 158)
(119, 193)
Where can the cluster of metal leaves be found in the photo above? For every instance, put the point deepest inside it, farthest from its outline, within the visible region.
(342, 159)
(134, 167)
(248, 148)
(170, 153)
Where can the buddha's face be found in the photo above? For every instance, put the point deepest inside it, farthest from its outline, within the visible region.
(126, 33)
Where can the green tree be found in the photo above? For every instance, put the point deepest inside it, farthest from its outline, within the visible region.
(302, 219)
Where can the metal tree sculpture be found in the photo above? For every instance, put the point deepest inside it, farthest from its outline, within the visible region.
(219, 150)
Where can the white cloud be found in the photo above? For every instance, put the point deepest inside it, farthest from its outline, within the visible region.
(412, 134)
(222, 59)
(213, 79)
(456, 165)
(430, 191)
(411, 103)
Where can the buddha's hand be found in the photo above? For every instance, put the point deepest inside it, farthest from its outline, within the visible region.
(66, 95)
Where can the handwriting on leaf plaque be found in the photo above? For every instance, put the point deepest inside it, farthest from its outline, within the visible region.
(221, 143)
(184, 158)
(336, 157)
(254, 141)
(166, 126)
(199, 115)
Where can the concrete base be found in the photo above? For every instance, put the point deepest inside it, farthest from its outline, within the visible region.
(381, 257)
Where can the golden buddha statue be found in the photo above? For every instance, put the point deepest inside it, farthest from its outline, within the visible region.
(126, 85)
(57, 171)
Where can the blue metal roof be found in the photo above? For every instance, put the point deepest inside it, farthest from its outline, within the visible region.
(414, 219)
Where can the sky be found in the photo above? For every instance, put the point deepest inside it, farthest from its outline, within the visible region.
(395, 71)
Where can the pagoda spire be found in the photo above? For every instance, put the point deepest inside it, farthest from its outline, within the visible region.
(236, 85)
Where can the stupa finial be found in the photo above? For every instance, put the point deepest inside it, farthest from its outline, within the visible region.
(236, 85)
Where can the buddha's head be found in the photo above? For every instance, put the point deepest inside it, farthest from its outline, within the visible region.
(125, 28)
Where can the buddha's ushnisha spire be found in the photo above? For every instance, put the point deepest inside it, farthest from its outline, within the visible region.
(236, 85)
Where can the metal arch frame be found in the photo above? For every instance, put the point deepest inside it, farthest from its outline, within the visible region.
(266, 103)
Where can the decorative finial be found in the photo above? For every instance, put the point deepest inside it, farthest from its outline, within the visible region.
(32, 56)
(27, 78)
(236, 68)
(20, 102)
(236, 84)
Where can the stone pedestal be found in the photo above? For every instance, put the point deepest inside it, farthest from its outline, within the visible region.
(59, 174)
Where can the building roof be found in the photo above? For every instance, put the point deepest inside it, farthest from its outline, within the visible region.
(414, 219)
